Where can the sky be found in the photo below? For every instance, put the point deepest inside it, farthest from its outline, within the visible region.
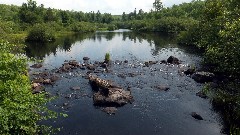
(115, 7)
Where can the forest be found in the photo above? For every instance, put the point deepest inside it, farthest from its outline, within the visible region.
(211, 25)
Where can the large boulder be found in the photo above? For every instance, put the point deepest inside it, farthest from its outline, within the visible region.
(107, 94)
(116, 97)
(173, 60)
(202, 77)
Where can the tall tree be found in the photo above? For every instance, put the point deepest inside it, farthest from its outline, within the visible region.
(31, 13)
(157, 5)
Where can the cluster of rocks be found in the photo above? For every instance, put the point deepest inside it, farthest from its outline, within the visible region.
(43, 78)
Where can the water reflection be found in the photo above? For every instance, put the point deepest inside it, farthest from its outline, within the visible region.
(120, 44)
(156, 41)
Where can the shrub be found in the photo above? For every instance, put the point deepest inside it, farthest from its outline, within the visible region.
(19, 108)
(40, 33)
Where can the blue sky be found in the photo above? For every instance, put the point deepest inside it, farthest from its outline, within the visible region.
(105, 6)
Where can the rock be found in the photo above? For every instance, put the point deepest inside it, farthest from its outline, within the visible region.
(75, 88)
(38, 65)
(189, 71)
(104, 65)
(90, 67)
(202, 77)
(162, 88)
(115, 97)
(65, 104)
(54, 78)
(131, 74)
(196, 116)
(73, 63)
(173, 60)
(34, 85)
(43, 74)
(106, 93)
(125, 61)
(146, 64)
(201, 94)
(38, 80)
(163, 62)
(152, 62)
(118, 62)
(47, 81)
(86, 58)
(121, 76)
(65, 67)
(38, 89)
(109, 110)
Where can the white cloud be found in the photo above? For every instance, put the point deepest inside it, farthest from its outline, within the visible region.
(108, 6)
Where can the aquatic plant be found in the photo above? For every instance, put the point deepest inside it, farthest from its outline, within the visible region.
(107, 57)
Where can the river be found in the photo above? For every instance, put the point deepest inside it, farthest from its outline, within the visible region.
(153, 112)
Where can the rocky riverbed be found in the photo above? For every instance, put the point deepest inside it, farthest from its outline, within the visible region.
(109, 85)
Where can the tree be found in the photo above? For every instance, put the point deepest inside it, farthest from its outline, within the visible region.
(31, 13)
(98, 17)
(124, 17)
(157, 5)
(49, 16)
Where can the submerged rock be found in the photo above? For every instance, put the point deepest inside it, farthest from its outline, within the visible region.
(38, 65)
(109, 110)
(75, 88)
(202, 77)
(196, 116)
(173, 60)
(162, 87)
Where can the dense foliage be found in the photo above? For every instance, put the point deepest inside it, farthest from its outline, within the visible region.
(218, 32)
(19, 108)
(40, 33)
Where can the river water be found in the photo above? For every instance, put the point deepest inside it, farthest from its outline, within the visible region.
(153, 112)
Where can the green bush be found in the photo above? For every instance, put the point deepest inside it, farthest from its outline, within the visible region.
(82, 27)
(20, 110)
(40, 33)
(111, 27)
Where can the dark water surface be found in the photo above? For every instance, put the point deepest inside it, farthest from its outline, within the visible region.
(153, 112)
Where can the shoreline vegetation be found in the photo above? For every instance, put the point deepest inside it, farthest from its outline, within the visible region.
(211, 25)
